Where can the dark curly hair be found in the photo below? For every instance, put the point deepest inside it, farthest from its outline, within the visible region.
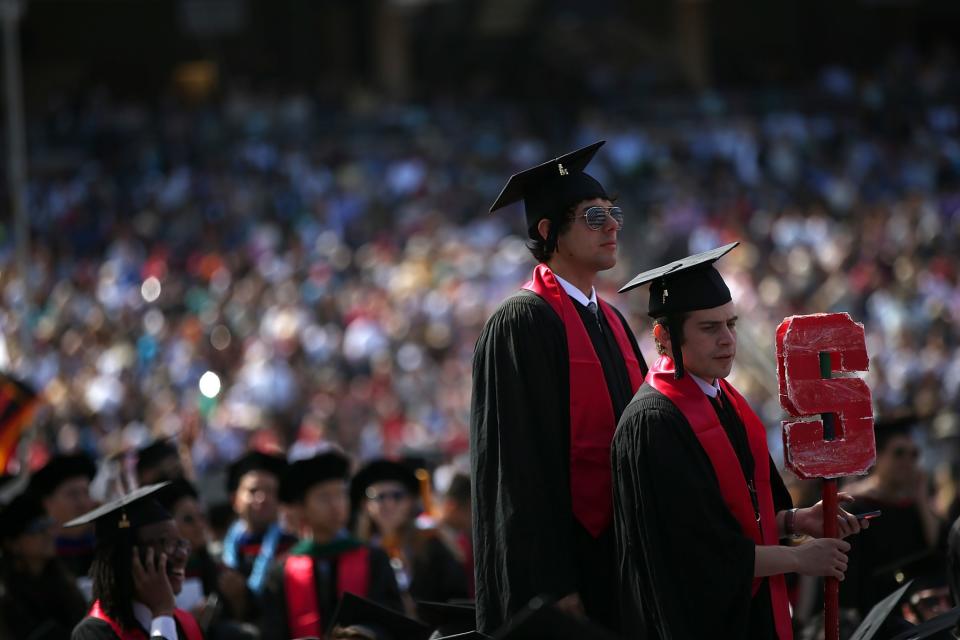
(542, 249)
(112, 575)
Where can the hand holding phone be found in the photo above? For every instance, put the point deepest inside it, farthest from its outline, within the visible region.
(150, 582)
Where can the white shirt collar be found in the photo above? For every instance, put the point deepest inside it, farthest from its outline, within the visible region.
(576, 294)
(160, 627)
(142, 613)
(712, 390)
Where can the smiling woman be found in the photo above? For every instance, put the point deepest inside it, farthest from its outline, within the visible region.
(138, 568)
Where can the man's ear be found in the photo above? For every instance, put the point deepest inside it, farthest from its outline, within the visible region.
(543, 228)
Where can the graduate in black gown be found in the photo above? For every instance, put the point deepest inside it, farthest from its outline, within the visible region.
(139, 567)
(700, 507)
(552, 371)
(303, 590)
(63, 486)
(31, 576)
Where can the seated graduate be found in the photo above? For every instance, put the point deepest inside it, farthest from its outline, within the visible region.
(138, 568)
(63, 486)
(302, 591)
(257, 538)
(31, 576)
(427, 564)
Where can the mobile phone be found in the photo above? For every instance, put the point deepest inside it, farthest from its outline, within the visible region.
(869, 515)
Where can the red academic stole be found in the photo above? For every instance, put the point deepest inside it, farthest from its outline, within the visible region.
(696, 408)
(300, 588)
(592, 422)
(189, 626)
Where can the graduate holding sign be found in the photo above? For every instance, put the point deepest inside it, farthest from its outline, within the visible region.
(700, 507)
(552, 370)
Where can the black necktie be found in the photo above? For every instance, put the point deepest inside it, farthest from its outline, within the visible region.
(592, 306)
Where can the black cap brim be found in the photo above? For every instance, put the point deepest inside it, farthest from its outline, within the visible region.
(254, 461)
(448, 618)
(387, 623)
(123, 512)
(878, 614)
(520, 184)
(932, 628)
(677, 267)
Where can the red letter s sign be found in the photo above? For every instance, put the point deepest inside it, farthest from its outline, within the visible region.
(804, 392)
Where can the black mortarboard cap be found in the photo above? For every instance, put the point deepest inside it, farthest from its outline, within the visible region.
(58, 470)
(549, 189)
(385, 624)
(382, 470)
(939, 627)
(926, 569)
(155, 453)
(878, 614)
(254, 461)
(303, 474)
(448, 618)
(682, 286)
(542, 621)
(125, 514)
(25, 512)
(893, 424)
(175, 491)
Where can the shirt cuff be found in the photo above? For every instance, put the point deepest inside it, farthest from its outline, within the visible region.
(163, 627)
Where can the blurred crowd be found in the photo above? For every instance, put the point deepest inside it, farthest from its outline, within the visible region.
(270, 271)
(278, 270)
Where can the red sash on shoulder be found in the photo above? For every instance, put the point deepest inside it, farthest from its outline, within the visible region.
(696, 408)
(186, 621)
(300, 588)
(592, 423)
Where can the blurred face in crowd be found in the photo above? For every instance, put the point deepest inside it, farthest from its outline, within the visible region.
(34, 547)
(68, 501)
(389, 505)
(255, 500)
(897, 462)
(582, 249)
(709, 341)
(325, 508)
(456, 515)
(191, 521)
(164, 537)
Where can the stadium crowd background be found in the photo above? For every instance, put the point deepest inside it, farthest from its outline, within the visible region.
(330, 263)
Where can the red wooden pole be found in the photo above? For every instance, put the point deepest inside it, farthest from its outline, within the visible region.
(831, 588)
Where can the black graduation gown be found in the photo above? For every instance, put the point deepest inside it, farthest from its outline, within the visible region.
(95, 629)
(894, 542)
(686, 567)
(25, 605)
(383, 590)
(438, 576)
(527, 541)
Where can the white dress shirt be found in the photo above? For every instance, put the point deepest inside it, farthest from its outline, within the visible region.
(576, 294)
(159, 627)
(712, 390)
